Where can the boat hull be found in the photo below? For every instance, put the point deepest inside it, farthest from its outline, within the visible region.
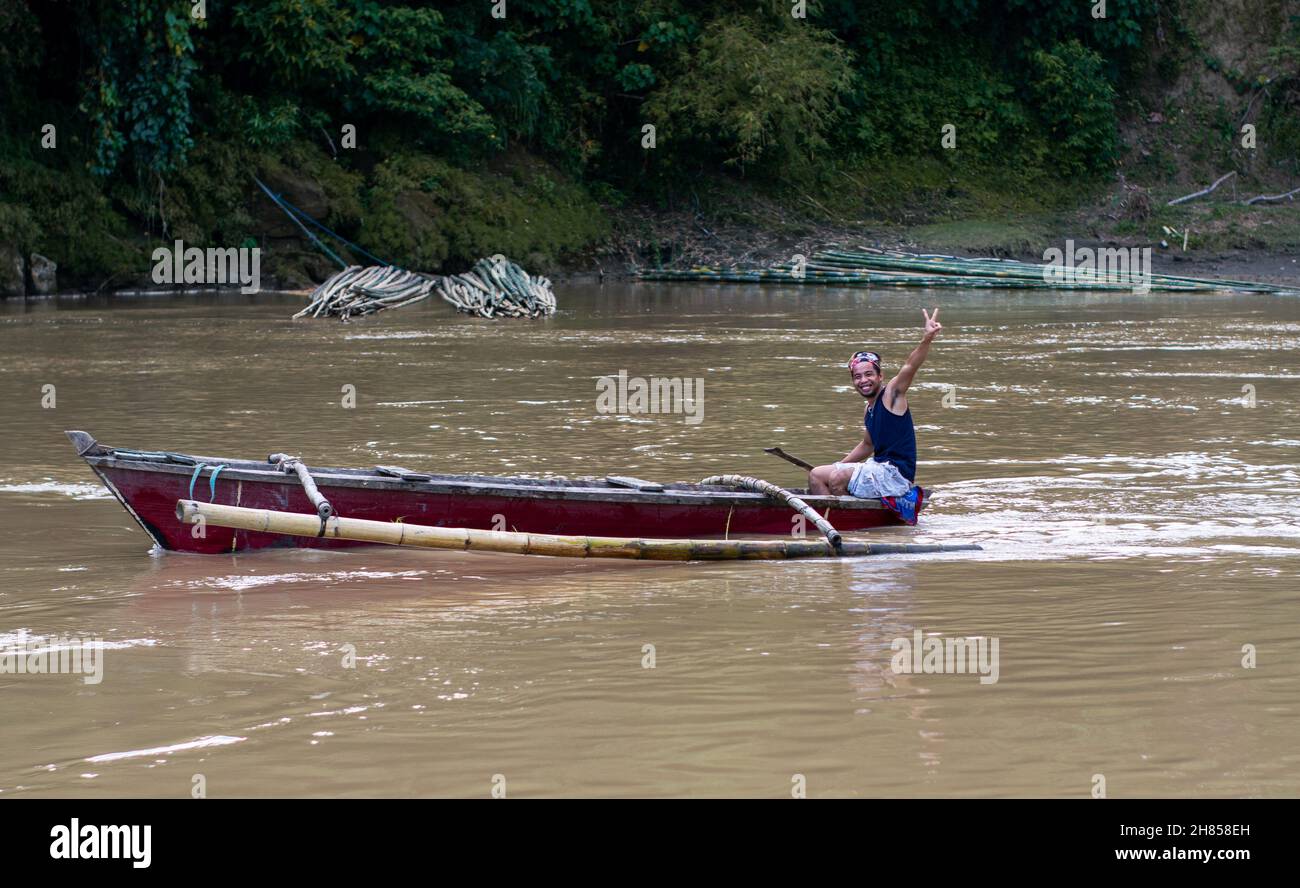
(149, 490)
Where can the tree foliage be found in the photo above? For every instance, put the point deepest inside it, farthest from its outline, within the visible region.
(137, 100)
(1077, 103)
(737, 85)
(146, 93)
(745, 96)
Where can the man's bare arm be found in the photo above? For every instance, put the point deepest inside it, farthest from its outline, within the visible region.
(903, 380)
(864, 449)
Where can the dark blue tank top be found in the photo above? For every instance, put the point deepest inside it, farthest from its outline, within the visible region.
(893, 437)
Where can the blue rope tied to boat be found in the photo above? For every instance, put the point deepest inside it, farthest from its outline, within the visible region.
(212, 481)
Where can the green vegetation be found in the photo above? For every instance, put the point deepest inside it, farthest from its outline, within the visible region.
(524, 134)
(753, 100)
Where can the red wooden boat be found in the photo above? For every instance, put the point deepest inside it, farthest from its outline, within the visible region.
(148, 484)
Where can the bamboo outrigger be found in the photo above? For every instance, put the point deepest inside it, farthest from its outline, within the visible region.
(555, 545)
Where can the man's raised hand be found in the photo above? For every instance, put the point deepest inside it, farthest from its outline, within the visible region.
(932, 325)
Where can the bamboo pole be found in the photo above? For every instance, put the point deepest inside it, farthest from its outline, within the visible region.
(402, 534)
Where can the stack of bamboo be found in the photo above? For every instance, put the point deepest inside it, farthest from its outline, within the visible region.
(866, 266)
(358, 290)
(493, 287)
(497, 286)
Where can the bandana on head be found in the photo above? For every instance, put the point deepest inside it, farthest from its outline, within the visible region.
(864, 357)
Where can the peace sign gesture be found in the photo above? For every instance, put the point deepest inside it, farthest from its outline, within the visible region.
(932, 325)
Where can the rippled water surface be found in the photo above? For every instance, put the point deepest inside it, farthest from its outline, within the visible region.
(1131, 466)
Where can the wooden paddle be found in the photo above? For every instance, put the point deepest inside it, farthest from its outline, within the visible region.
(777, 451)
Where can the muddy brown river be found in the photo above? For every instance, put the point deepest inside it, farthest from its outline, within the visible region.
(1130, 464)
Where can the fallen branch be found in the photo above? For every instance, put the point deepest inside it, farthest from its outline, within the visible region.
(1266, 198)
(828, 213)
(1261, 91)
(855, 181)
(1204, 191)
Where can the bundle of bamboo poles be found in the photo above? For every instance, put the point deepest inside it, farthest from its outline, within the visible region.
(403, 534)
(358, 290)
(867, 266)
(1032, 273)
(497, 286)
(492, 288)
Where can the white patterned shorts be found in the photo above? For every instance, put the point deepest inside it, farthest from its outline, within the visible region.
(875, 479)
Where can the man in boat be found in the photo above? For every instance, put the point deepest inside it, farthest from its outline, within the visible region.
(883, 464)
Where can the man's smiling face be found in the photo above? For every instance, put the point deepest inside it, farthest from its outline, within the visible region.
(867, 379)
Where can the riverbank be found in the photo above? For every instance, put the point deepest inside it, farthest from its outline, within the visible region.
(1016, 218)
(438, 219)
(684, 242)
(1247, 243)
(977, 131)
